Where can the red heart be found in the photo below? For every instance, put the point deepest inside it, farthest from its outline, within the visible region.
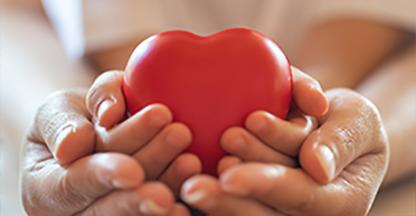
(210, 83)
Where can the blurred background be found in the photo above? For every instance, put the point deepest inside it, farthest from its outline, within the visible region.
(51, 45)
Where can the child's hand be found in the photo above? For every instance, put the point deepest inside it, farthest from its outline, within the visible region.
(149, 136)
(269, 139)
(343, 163)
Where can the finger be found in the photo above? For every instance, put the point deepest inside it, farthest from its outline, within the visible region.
(62, 123)
(263, 182)
(156, 156)
(308, 94)
(105, 99)
(294, 192)
(281, 135)
(182, 168)
(227, 162)
(52, 188)
(148, 199)
(179, 210)
(239, 142)
(346, 134)
(204, 193)
(136, 131)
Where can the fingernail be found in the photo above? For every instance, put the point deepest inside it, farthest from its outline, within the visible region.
(150, 207)
(194, 197)
(327, 161)
(104, 106)
(117, 184)
(63, 134)
(260, 124)
(198, 198)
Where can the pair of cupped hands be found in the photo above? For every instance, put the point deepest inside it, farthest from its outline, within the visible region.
(83, 156)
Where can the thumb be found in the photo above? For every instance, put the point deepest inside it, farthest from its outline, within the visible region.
(63, 191)
(351, 128)
(62, 123)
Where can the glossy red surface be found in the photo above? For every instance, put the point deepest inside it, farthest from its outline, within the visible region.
(210, 83)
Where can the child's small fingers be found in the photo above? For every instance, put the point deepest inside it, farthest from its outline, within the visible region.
(182, 168)
(179, 210)
(105, 99)
(308, 94)
(268, 182)
(133, 133)
(159, 152)
(151, 198)
(204, 192)
(281, 135)
(227, 162)
(239, 142)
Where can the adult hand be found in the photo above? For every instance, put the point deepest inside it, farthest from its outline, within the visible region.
(343, 164)
(98, 184)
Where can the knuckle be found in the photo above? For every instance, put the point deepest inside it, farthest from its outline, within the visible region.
(57, 123)
(55, 116)
(343, 141)
(348, 138)
(365, 124)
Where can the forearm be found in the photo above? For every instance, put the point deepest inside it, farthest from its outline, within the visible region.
(342, 53)
(393, 90)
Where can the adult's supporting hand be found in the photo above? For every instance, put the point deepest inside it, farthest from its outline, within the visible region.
(97, 184)
(343, 164)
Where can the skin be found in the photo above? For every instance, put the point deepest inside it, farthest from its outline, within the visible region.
(90, 184)
(315, 176)
(399, 120)
(352, 130)
(97, 126)
(384, 60)
(341, 184)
